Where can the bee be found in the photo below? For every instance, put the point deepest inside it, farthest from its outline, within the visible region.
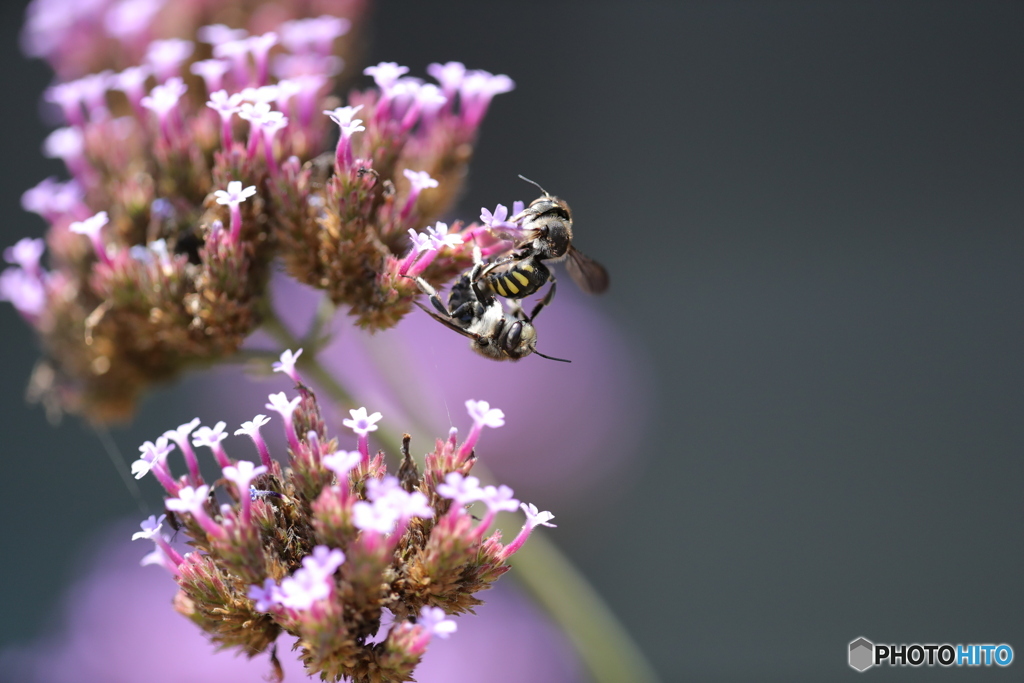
(545, 235)
(474, 313)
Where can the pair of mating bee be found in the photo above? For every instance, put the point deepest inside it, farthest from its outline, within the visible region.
(473, 308)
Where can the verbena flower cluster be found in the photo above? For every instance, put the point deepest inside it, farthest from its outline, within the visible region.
(197, 167)
(78, 37)
(328, 546)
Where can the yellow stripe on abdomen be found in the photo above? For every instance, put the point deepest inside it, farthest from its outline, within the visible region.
(511, 286)
(497, 286)
(523, 280)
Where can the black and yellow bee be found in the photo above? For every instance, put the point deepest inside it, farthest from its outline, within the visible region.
(545, 235)
(475, 313)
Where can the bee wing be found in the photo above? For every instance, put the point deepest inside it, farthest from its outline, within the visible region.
(513, 232)
(447, 322)
(590, 275)
(518, 218)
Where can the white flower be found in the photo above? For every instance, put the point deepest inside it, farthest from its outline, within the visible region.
(361, 423)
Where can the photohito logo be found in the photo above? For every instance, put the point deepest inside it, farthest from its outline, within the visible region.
(864, 654)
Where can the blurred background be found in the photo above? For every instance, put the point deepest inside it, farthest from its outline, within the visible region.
(813, 215)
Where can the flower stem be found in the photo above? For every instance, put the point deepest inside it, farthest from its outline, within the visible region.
(602, 643)
(315, 337)
(313, 369)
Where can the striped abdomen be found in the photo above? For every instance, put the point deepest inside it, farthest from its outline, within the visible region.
(518, 279)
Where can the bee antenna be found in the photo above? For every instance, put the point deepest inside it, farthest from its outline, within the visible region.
(560, 360)
(534, 182)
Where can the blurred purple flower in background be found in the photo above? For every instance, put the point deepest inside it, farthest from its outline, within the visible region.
(117, 627)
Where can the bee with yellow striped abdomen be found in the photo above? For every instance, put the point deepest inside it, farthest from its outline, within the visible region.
(474, 312)
(542, 232)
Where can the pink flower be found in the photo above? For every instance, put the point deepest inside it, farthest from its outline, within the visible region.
(167, 56)
(534, 518)
(241, 474)
(215, 34)
(436, 622)
(418, 181)
(361, 423)
(449, 75)
(164, 98)
(105, 633)
(313, 35)
(24, 291)
(313, 582)
(193, 501)
(212, 72)
(66, 144)
(342, 462)
(180, 436)
(287, 364)
(349, 126)
(252, 430)
(463, 490)
(233, 198)
(386, 74)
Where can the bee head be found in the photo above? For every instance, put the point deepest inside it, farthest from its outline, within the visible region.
(520, 339)
(550, 225)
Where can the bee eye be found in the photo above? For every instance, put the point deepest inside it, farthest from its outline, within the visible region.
(515, 333)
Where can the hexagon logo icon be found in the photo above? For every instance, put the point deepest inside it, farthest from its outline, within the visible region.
(862, 654)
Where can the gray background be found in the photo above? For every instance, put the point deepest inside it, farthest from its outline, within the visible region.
(812, 212)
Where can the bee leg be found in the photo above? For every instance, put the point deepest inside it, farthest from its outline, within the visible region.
(435, 300)
(521, 253)
(543, 302)
(474, 274)
(488, 267)
(515, 308)
(481, 289)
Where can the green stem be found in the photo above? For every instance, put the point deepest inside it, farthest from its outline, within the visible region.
(315, 338)
(244, 356)
(275, 327)
(602, 643)
(326, 381)
(311, 368)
